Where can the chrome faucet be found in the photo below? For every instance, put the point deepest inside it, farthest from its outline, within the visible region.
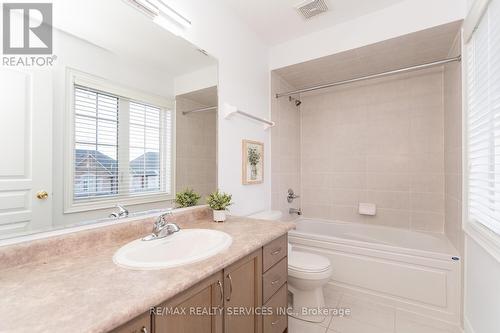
(295, 211)
(122, 212)
(291, 196)
(162, 228)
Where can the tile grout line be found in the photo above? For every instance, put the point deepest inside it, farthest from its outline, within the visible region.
(339, 302)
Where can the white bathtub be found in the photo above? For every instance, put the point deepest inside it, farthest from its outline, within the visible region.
(414, 271)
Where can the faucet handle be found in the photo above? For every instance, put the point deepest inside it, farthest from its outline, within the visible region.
(122, 212)
(160, 221)
(122, 208)
(173, 227)
(291, 196)
(168, 213)
(168, 229)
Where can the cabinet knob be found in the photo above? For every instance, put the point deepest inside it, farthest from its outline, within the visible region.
(144, 330)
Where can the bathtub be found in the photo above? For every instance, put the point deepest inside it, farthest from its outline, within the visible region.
(414, 271)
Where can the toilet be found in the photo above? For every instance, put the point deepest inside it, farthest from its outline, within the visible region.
(307, 274)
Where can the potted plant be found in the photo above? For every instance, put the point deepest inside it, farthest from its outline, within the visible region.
(187, 198)
(253, 159)
(219, 201)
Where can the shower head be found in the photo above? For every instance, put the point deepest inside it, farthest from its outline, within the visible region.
(297, 101)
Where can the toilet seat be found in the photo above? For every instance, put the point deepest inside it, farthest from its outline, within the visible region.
(308, 266)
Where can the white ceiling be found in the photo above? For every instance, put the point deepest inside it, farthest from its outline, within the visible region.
(276, 21)
(417, 48)
(118, 27)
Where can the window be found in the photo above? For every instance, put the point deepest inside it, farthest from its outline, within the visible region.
(483, 120)
(96, 144)
(144, 148)
(122, 148)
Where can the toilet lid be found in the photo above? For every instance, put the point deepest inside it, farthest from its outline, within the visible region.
(307, 262)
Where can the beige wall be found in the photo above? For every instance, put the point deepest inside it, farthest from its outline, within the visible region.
(380, 141)
(395, 142)
(196, 146)
(285, 148)
(453, 151)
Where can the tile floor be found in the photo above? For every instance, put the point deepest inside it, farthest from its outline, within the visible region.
(368, 317)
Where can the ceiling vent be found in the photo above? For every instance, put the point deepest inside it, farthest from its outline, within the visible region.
(310, 8)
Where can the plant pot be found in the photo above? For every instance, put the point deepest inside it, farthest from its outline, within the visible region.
(219, 215)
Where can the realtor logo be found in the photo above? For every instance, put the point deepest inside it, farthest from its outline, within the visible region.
(27, 28)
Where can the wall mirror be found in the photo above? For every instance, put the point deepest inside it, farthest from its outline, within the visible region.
(121, 111)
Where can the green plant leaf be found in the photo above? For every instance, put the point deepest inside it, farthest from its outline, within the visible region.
(219, 200)
(187, 198)
(253, 156)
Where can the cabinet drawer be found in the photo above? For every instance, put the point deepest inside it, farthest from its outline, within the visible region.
(274, 252)
(274, 278)
(141, 324)
(278, 321)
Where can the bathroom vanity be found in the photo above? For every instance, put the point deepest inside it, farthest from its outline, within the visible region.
(257, 281)
(98, 296)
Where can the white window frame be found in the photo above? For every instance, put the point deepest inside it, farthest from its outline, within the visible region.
(75, 77)
(481, 234)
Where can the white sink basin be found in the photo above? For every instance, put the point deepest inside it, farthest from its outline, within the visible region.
(181, 248)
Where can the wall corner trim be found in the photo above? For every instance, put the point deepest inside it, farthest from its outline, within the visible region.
(474, 17)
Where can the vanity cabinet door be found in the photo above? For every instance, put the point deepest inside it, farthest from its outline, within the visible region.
(197, 310)
(243, 292)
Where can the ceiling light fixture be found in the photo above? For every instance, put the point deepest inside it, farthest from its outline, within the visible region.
(162, 14)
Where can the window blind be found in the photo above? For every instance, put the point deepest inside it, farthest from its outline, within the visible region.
(144, 148)
(122, 147)
(96, 144)
(483, 120)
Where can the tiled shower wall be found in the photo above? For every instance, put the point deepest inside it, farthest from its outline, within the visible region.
(196, 147)
(453, 150)
(285, 148)
(379, 141)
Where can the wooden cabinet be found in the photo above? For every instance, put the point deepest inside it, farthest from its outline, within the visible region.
(274, 252)
(274, 281)
(217, 304)
(197, 310)
(274, 278)
(243, 294)
(278, 321)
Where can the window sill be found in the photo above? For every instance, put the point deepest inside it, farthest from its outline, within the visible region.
(484, 237)
(77, 207)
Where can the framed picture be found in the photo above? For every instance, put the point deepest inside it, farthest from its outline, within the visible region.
(253, 162)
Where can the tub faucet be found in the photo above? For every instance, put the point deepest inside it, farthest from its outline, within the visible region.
(295, 211)
(121, 213)
(162, 228)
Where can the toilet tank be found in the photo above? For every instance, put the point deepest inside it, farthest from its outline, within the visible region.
(272, 215)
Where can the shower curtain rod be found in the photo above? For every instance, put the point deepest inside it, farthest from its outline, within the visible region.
(210, 108)
(373, 76)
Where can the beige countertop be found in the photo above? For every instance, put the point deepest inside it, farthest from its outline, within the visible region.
(84, 291)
